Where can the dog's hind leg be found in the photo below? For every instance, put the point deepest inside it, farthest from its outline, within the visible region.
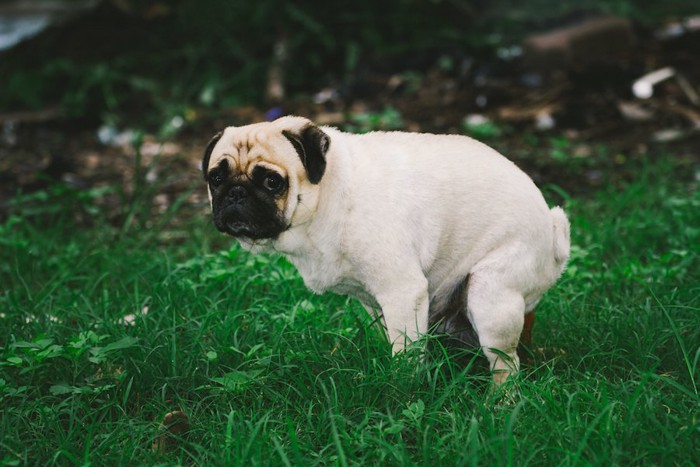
(497, 314)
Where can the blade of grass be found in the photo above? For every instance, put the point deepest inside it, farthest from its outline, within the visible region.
(686, 358)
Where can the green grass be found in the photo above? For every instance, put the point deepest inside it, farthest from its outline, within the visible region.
(269, 373)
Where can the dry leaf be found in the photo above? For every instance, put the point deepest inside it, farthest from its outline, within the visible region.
(171, 430)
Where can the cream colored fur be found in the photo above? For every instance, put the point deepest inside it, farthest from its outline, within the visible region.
(399, 220)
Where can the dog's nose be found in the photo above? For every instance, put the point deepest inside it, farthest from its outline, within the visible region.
(237, 193)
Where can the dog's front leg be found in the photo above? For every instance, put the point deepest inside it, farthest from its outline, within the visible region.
(405, 311)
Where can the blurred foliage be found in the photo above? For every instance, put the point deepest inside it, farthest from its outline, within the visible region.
(510, 20)
(153, 60)
(386, 120)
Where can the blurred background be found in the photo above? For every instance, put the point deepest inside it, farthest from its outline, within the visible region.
(128, 92)
(130, 327)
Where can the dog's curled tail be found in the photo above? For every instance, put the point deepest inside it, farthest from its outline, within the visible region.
(562, 234)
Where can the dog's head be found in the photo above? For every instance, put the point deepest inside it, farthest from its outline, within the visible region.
(263, 178)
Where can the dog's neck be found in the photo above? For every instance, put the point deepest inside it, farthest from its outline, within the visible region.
(324, 228)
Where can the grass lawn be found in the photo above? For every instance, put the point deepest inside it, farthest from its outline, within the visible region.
(104, 330)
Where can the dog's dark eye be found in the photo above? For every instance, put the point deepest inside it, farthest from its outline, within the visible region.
(273, 182)
(215, 179)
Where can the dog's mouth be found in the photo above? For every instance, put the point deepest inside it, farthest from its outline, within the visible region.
(238, 229)
(246, 220)
(241, 229)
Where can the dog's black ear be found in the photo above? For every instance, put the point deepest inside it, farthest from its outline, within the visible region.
(312, 145)
(207, 152)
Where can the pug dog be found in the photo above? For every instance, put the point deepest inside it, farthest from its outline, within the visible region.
(423, 228)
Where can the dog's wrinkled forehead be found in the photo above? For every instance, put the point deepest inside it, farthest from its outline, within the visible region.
(244, 147)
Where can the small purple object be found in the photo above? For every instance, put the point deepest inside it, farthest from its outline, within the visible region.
(274, 113)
